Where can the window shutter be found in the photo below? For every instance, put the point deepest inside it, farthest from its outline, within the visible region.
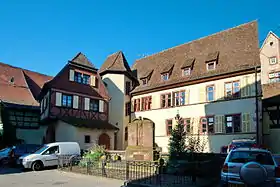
(132, 106)
(71, 75)
(41, 105)
(202, 94)
(92, 80)
(252, 86)
(76, 101)
(101, 106)
(245, 86)
(219, 124)
(187, 96)
(219, 91)
(246, 122)
(86, 103)
(57, 99)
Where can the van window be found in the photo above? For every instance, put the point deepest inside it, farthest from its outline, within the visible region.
(51, 150)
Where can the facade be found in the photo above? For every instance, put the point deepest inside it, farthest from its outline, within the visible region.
(74, 106)
(211, 82)
(119, 81)
(269, 55)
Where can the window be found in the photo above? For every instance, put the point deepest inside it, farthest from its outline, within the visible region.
(232, 89)
(46, 103)
(274, 77)
(94, 105)
(136, 105)
(186, 71)
(81, 78)
(273, 60)
(207, 125)
(24, 119)
(233, 123)
(165, 100)
(67, 100)
(127, 87)
(211, 65)
(168, 126)
(165, 76)
(126, 133)
(210, 93)
(87, 138)
(86, 79)
(127, 108)
(52, 150)
(146, 103)
(179, 98)
(145, 81)
(187, 125)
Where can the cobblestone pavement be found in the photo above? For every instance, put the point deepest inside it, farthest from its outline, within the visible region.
(16, 178)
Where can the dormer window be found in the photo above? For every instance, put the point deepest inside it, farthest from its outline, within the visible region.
(211, 65)
(186, 71)
(145, 81)
(81, 78)
(165, 76)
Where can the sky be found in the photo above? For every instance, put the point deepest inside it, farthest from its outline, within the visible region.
(43, 35)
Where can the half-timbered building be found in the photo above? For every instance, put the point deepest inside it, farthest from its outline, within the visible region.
(74, 106)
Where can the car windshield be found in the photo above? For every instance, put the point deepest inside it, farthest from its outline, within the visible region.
(263, 158)
(41, 149)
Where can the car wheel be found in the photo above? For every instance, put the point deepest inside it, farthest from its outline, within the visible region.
(37, 166)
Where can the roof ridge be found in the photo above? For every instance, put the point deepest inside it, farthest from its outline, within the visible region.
(214, 34)
(23, 69)
(118, 54)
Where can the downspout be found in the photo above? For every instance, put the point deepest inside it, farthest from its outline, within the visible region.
(257, 104)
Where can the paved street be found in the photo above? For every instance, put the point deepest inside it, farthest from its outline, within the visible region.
(14, 178)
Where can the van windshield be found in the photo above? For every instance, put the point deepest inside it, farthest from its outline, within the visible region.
(40, 150)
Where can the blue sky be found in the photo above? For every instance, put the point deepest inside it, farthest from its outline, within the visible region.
(43, 35)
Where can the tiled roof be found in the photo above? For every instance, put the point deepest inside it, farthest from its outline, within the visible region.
(115, 62)
(236, 48)
(81, 59)
(271, 90)
(20, 86)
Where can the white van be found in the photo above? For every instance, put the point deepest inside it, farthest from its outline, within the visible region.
(48, 155)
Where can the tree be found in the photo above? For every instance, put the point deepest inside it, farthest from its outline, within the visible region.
(177, 141)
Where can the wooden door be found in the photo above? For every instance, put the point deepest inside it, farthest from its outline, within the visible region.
(104, 140)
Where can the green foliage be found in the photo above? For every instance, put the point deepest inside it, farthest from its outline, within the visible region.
(177, 141)
(95, 154)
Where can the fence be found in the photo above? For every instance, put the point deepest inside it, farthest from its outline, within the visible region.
(140, 172)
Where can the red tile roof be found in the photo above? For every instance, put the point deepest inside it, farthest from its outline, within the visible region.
(20, 86)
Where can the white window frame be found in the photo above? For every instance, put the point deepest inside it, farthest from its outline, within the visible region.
(165, 75)
(207, 65)
(273, 60)
(186, 71)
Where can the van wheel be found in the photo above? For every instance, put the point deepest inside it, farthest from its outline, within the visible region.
(37, 166)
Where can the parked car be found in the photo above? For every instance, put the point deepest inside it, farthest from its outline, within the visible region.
(244, 142)
(7, 156)
(250, 166)
(48, 155)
